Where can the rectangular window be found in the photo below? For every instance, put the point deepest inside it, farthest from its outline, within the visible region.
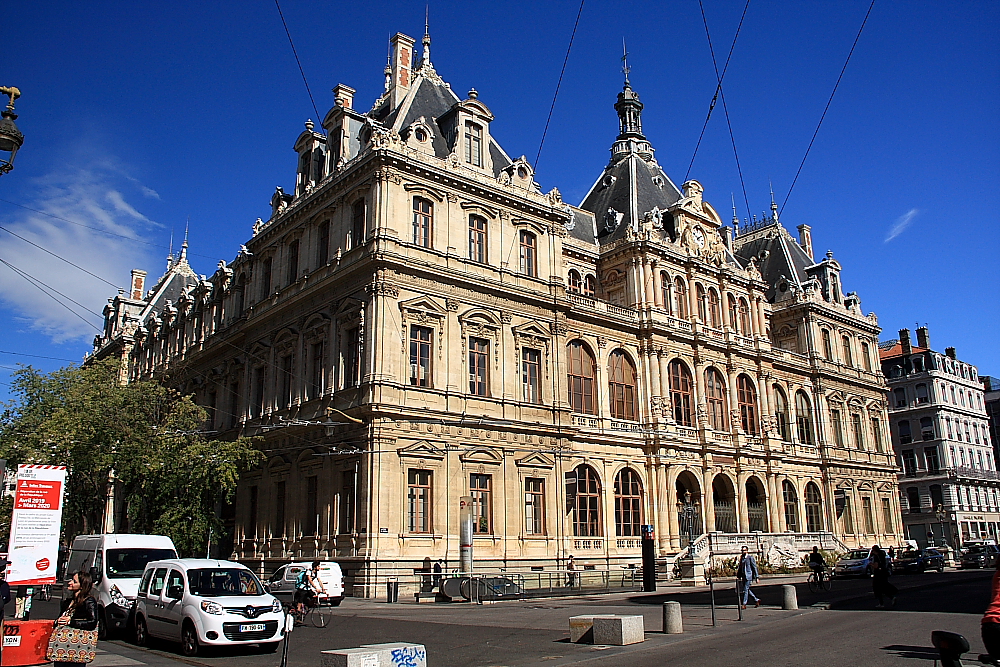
(887, 516)
(866, 357)
(848, 355)
(285, 371)
(529, 254)
(480, 488)
(310, 523)
(423, 221)
(859, 431)
(905, 436)
(477, 239)
(234, 404)
(347, 502)
(257, 406)
(419, 501)
(474, 144)
(479, 355)
(420, 355)
(866, 509)
(909, 463)
(351, 356)
(323, 244)
(317, 358)
(877, 433)
(534, 506)
(293, 262)
(531, 375)
(358, 224)
(933, 461)
(279, 509)
(265, 278)
(848, 516)
(838, 427)
(251, 527)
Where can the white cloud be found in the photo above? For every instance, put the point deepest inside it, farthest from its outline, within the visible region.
(91, 195)
(902, 222)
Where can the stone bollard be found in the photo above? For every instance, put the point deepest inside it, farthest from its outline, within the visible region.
(789, 600)
(673, 624)
(376, 654)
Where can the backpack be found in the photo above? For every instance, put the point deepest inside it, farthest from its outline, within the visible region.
(302, 580)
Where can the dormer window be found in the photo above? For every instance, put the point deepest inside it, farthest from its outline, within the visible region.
(474, 144)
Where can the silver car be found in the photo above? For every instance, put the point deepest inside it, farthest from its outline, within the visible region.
(857, 562)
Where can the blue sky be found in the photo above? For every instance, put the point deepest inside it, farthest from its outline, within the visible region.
(139, 116)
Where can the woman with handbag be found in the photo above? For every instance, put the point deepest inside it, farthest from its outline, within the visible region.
(74, 638)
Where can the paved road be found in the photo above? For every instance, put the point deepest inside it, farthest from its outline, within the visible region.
(851, 633)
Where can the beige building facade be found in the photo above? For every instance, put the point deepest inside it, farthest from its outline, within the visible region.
(417, 322)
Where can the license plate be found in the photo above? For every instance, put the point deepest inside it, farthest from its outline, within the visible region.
(252, 627)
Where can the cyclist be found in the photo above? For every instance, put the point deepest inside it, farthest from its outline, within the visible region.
(307, 587)
(817, 563)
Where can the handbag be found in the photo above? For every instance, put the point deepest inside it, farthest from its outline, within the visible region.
(67, 644)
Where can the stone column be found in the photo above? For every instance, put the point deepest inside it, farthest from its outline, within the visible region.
(707, 503)
(653, 366)
(657, 286)
(648, 281)
(670, 507)
(664, 379)
(630, 293)
(742, 515)
(774, 504)
(733, 406)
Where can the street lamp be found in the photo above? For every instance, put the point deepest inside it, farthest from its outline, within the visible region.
(10, 137)
(941, 516)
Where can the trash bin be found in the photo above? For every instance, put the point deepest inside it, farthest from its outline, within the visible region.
(392, 594)
(25, 642)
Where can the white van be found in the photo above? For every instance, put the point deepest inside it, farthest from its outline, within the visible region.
(116, 562)
(282, 582)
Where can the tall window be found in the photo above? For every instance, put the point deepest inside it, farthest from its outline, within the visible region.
(419, 501)
(358, 224)
(734, 322)
(781, 413)
(420, 355)
(814, 508)
(575, 283)
(715, 394)
(665, 292)
(887, 516)
(838, 427)
(323, 244)
(899, 394)
(531, 375)
(583, 489)
(252, 519)
(932, 459)
(481, 490)
(877, 434)
(745, 318)
(905, 435)
(479, 358)
(257, 404)
(827, 346)
(534, 506)
(348, 493)
(803, 418)
(589, 286)
(351, 357)
(702, 303)
(791, 506)
(285, 371)
(279, 509)
(474, 144)
(310, 524)
(317, 365)
(621, 383)
(848, 516)
(714, 312)
(859, 431)
(681, 293)
(265, 278)
(909, 463)
(681, 395)
(582, 370)
(293, 262)
(848, 354)
(423, 222)
(529, 253)
(628, 503)
(922, 396)
(866, 357)
(868, 514)
(477, 239)
(927, 429)
(746, 396)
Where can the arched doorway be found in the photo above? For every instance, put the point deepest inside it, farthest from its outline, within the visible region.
(688, 507)
(756, 505)
(724, 502)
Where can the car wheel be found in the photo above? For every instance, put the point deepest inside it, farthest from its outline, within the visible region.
(141, 632)
(269, 647)
(940, 569)
(189, 640)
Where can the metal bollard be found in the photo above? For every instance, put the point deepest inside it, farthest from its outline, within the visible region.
(673, 624)
(790, 599)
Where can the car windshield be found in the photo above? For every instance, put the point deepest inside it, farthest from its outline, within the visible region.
(910, 553)
(978, 549)
(129, 563)
(860, 554)
(224, 581)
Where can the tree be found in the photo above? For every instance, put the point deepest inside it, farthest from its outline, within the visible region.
(142, 440)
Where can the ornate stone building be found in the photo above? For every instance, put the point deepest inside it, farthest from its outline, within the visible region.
(418, 322)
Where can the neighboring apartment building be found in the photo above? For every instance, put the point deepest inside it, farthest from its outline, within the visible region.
(991, 398)
(949, 482)
(417, 322)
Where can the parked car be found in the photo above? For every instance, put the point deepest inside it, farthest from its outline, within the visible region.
(282, 582)
(116, 563)
(980, 555)
(200, 602)
(857, 562)
(918, 560)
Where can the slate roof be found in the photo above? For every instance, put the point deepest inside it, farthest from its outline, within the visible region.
(778, 255)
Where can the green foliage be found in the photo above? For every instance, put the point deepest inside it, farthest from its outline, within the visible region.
(168, 478)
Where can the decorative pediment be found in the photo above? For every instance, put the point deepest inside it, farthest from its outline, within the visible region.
(421, 450)
(475, 207)
(422, 306)
(423, 190)
(524, 222)
(479, 317)
(535, 460)
(531, 330)
(483, 455)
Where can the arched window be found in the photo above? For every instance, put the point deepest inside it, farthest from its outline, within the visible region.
(590, 286)
(734, 322)
(621, 384)
(681, 396)
(681, 294)
(745, 318)
(791, 503)
(665, 295)
(702, 299)
(358, 224)
(575, 284)
(848, 355)
(423, 221)
(628, 503)
(582, 371)
(714, 313)
(781, 413)
(529, 254)
(583, 489)
(814, 508)
(803, 418)
(746, 396)
(715, 395)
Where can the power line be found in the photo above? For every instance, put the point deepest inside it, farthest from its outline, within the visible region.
(718, 89)
(37, 356)
(297, 61)
(827, 108)
(558, 85)
(76, 266)
(39, 284)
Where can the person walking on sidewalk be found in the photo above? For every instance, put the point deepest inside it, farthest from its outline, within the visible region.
(746, 574)
(991, 619)
(880, 579)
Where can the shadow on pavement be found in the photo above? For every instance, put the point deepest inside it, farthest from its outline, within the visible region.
(915, 652)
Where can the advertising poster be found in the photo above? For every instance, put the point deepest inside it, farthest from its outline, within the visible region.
(34, 527)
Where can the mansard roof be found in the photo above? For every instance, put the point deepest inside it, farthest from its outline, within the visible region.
(775, 252)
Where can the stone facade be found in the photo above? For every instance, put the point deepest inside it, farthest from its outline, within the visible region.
(417, 322)
(949, 485)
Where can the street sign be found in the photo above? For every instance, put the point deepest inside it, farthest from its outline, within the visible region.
(33, 549)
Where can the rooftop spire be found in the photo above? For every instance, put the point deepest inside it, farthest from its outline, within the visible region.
(182, 257)
(736, 218)
(774, 207)
(625, 68)
(388, 66)
(427, 35)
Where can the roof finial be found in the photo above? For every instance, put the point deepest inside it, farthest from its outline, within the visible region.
(736, 218)
(427, 35)
(388, 66)
(625, 68)
(170, 252)
(184, 246)
(774, 207)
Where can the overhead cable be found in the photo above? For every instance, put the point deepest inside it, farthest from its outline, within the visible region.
(45, 290)
(60, 257)
(558, 86)
(297, 61)
(37, 356)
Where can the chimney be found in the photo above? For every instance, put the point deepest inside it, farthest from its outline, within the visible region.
(343, 96)
(138, 284)
(923, 338)
(402, 61)
(806, 239)
(727, 238)
(950, 351)
(904, 341)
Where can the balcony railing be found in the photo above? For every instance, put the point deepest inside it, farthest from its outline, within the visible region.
(953, 473)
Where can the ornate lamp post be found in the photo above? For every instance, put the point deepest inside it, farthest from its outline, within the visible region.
(688, 509)
(941, 516)
(10, 137)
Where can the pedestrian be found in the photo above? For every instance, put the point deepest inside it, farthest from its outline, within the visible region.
(4, 586)
(892, 553)
(991, 619)
(746, 574)
(570, 572)
(438, 568)
(880, 578)
(78, 612)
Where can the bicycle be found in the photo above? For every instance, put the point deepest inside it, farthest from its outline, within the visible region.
(315, 614)
(820, 580)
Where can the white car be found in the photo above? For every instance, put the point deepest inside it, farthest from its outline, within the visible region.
(200, 602)
(282, 582)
